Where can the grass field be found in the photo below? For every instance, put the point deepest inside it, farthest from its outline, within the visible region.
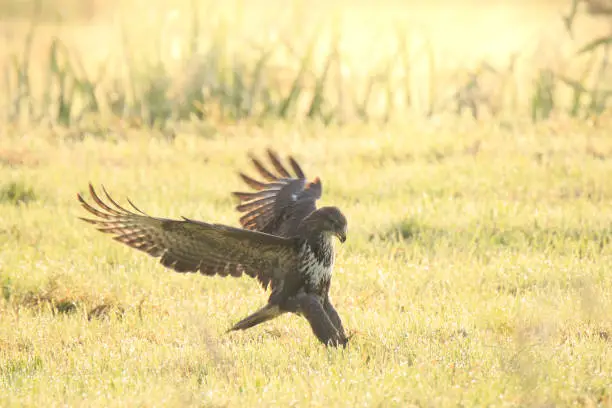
(477, 266)
(476, 271)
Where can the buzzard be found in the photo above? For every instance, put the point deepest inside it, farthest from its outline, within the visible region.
(286, 243)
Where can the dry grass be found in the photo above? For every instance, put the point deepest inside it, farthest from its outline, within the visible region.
(476, 272)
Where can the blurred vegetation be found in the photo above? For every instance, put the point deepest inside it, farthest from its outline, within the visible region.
(217, 75)
(51, 11)
(590, 98)
(16, 193)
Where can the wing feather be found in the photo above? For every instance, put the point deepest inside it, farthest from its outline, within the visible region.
(263, 171)
(278, 166)
(257, 219)
(281, 201)
(251, 182)
(296, 168)
(253, 196)
(256, 203)
(189, 246)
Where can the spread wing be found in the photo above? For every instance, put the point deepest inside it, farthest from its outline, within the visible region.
(190, 246)
(280, 202)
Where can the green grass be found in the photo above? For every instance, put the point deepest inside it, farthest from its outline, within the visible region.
(476, 271)
(331, 62)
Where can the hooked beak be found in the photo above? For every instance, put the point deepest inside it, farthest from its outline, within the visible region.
(341, 236)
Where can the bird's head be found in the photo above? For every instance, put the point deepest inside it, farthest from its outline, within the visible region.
(330, 220)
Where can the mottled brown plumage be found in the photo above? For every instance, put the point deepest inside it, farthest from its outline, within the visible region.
(190, 246)
(286, 244)
(281, 205)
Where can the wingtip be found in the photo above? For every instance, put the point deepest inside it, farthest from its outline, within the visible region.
(251, 182)
(82, 200)
(88, 220)
(136, 208)
(237, 195)
(252, 156)
(297, 169)
(273, 155)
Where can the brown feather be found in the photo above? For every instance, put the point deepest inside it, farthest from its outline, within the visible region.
(278, 206)
(296, 168)
(189, 246)
(277, 164)
(253, 196)
(263, 171)
(254, 204)
(251, 182)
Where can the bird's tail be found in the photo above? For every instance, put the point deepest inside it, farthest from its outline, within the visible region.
(268, 312)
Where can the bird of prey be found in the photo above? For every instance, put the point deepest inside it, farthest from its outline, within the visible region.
(286, 243)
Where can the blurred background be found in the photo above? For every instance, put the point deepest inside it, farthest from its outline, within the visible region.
(157, 63)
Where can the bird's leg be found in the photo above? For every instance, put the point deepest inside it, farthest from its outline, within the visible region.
(312, 309)
(333, 316)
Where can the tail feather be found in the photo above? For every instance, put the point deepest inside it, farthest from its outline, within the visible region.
(264, 314)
